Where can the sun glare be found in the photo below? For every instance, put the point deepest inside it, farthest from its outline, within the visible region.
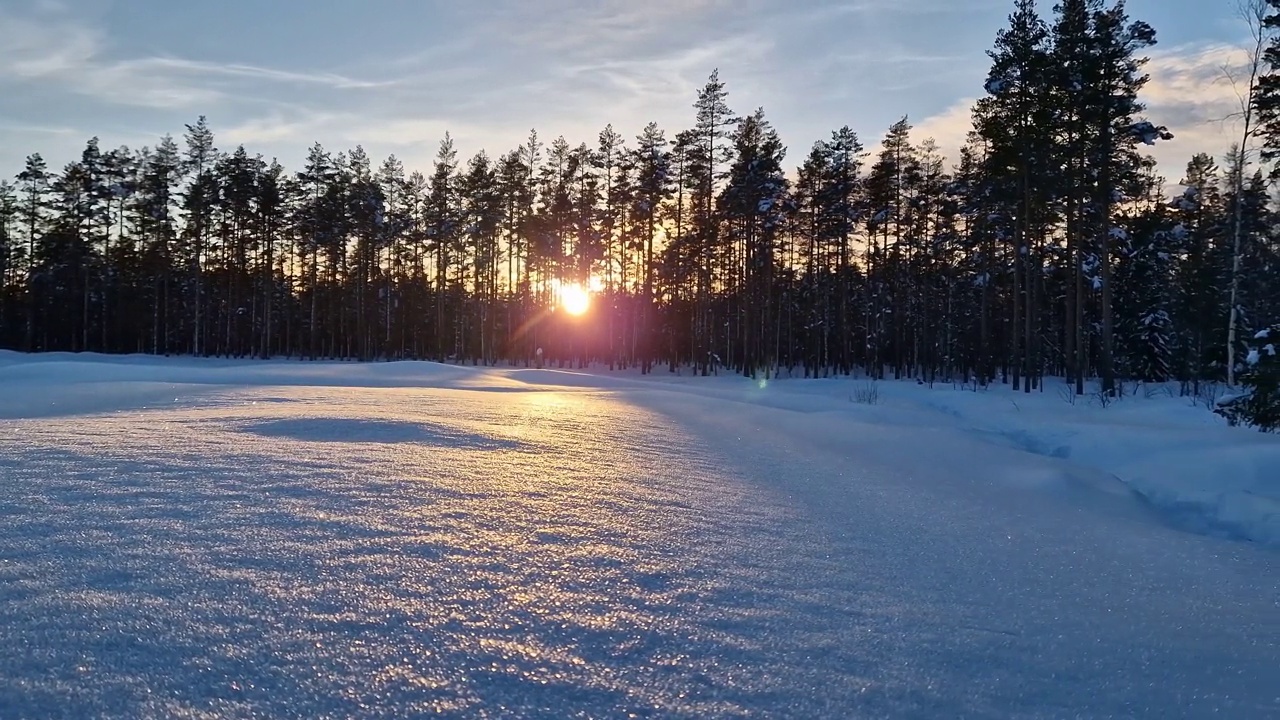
(574, 299)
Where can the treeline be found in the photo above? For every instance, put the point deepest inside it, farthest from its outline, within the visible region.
(1050, 247)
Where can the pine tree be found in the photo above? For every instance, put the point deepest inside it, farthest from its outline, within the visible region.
(610, 163)
(156, 223)
(119, 185)
(753, 204)
(829, 194)
(365, 209)
(708, 153)
(1143, 275)
(272, 192)
(33, 183)
(482, 210)
(653, 184)
(198, 203)
(10, 257)
(1117, 81)
(443, 226)
(63, 261)
(976, 266)
(1019, 127)
(888, 189)
(97, 235)
(1197, 239)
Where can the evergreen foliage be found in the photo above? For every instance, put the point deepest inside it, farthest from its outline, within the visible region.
(1259, 405)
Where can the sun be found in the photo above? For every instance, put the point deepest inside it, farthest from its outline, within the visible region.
(574, 299)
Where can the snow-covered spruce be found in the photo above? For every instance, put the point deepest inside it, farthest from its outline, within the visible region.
(1259, 403)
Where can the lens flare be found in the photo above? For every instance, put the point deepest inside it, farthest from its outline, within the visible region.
(574, 299)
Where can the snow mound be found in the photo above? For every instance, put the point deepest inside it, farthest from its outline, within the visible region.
(1231, 491)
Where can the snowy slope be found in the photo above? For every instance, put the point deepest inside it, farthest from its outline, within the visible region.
(208, 538)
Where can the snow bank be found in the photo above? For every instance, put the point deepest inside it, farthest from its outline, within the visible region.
(1185, 461)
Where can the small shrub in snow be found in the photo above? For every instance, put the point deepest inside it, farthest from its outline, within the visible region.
(1104, 399)
(1152, 391)
(1258, 403)
(1206, 395)
(1067, 393)
(867, 394)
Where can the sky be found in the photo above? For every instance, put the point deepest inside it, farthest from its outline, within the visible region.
(394, 75)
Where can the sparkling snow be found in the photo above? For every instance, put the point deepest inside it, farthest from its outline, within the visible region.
(204, 538)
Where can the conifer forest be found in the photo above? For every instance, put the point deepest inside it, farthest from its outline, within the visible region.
(1051, 245)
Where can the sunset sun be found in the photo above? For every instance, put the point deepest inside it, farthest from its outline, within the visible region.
(574, 299)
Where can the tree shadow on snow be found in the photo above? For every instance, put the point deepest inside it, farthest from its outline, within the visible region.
(354, 430)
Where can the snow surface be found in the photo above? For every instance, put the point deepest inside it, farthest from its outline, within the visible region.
(215, 538)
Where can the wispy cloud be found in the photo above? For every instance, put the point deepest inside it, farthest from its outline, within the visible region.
(901, 7)
(349, 128)
(652, 80)
(37, 46)
(1189, 92)
(607, 26)
(179, 67)
(560, 67)
(37, 130)
(53, 48)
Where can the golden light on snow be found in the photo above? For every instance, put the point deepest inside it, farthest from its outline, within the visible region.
(574, 298)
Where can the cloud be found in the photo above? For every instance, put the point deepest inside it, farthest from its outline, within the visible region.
(562, 68)
(948, 128)
(34, 47)
(499, 68)
(608, 26)
(1187, 92)
(348, 128)
(178, 67)
(644, 82)
(1190, 93)
(413, 139)
(50, 47)
(930, 8)
(21, 129)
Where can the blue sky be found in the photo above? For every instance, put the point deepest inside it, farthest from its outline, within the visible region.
(394, 75)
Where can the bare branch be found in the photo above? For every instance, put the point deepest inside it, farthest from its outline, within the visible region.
(1243, 78)
(1254, 14)
(1229, 74)
(1229, 117)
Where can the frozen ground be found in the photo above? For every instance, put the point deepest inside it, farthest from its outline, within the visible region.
(202, 538)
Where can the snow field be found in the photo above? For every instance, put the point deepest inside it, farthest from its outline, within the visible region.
(213, 538)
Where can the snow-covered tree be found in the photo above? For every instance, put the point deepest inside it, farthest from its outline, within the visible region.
(1258, 405)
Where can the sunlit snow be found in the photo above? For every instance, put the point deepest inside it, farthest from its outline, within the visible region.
(207, 538)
